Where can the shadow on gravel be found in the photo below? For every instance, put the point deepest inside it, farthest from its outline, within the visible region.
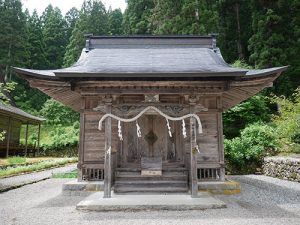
(62, 201)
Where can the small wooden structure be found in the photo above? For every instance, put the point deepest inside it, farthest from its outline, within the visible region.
(11, 120)
(141, 87)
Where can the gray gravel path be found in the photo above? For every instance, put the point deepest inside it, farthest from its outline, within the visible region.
(42, 203)
(17, 181)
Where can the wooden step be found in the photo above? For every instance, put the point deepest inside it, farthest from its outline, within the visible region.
(173, 180)
(140, 183)
(166, 177)
(149, 190)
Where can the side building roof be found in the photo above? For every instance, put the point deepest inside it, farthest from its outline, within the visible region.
(19, 114)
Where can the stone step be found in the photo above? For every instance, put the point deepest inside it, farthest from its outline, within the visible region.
(149, 190)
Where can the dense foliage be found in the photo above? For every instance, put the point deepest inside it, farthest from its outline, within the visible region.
(288, 122)
(244, 153)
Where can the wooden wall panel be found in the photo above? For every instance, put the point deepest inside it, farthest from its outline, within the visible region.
(94, 146)
(208, 140)
(93, 139)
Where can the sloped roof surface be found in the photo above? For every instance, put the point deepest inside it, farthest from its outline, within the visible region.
(7, 109)
(148, 56)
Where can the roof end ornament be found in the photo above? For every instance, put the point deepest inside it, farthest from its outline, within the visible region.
(88, 42)
(214, 41)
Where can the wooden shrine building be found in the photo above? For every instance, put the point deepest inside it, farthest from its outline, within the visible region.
(11, 120)
(160, 99)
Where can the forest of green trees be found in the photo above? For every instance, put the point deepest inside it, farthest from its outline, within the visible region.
(252, 34)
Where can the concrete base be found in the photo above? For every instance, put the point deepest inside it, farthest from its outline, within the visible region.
(75, 187)
(220, 187)
(96, 202)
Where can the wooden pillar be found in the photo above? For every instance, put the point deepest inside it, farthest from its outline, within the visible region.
(38, 144)
(26, 140)
(220, 138)
(107, 158)
(8, 137)
(80, 164)
(221, 147)
(193, 167)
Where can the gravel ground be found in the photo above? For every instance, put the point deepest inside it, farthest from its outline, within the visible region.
(16, 181)
(261, 202)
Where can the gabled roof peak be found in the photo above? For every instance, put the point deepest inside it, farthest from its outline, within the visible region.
(133, 41)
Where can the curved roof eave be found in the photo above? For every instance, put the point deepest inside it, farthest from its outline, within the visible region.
(265, 72)
(57, 74)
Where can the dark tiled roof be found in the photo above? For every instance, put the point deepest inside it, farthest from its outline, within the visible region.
(166, 56)
(18, 113)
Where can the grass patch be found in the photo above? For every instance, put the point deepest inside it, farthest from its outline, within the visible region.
(70, 175)
(16, 160)
(10, 171)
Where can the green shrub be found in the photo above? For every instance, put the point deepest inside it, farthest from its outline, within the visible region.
(62, 141)
(296, 137)
(57, 113)
(288, 122)
(245, 153)
(255, 109)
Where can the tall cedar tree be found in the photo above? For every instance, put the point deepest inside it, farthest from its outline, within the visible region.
(93, 19)
(12, 36)
(276, 42)
(137, 16)
(55, 37)
(71, 18)
(184, 17)
(115, 20)
(28, 98)
(235, 29)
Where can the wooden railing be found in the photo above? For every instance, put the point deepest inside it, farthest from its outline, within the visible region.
(93, 172)
(209, 172)
(206, 174)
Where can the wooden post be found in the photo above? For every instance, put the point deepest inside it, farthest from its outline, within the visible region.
(221, 147)
(107, 158)
(38, 144)
(220, 138)
(81, 140)
(193, 167)
(26, 140)
(8, 137)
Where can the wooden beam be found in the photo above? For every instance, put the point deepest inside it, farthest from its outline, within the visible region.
(38, 144)
(193, 167)
(108, 150)
(8, 137)
(26, 140)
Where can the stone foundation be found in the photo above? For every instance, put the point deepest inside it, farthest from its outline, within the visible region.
(220, 187)
(82, 188)
(286, 168)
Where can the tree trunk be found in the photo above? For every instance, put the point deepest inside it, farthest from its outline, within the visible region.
(239, 42)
